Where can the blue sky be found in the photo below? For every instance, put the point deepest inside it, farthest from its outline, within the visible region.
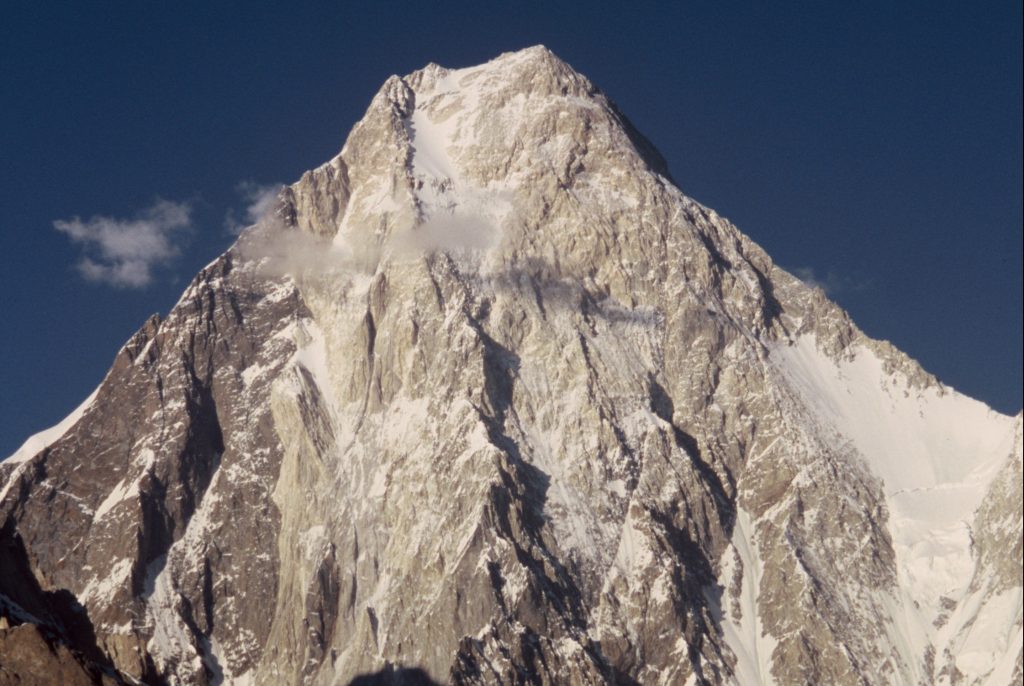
(872, 147)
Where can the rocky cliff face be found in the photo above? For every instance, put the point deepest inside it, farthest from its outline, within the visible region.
(488, 400)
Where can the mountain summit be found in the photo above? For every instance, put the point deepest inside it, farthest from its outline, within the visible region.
(486, 400)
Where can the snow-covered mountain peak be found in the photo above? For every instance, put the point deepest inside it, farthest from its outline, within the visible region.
(489, 397)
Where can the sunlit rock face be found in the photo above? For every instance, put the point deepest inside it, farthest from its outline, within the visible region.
(486, 400)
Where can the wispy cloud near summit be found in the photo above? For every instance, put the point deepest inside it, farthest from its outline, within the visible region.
(832, 282)
(259, 201)
(123, 252)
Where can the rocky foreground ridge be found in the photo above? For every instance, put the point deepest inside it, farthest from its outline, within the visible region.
(488, 400)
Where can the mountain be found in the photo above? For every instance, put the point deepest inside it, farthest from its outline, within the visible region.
(487, 399)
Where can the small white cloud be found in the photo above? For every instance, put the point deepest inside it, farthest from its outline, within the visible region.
(260, 200)
(832, 282)
(123, 252)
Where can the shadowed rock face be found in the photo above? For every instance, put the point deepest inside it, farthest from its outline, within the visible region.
(394, 677)
(488, 398)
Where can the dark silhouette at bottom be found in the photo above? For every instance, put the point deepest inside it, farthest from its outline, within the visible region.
(395, 676)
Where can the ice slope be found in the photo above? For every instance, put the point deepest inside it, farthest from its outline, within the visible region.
(47, 437)
(42, 440)
(936, 452)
